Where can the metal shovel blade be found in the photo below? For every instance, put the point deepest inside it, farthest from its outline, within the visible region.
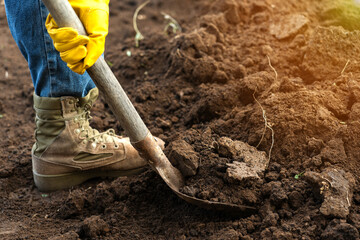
(129, 118)
(149, 149)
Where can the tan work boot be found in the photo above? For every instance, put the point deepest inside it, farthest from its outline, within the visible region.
(68, 151)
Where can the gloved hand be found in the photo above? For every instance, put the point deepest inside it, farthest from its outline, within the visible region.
(81, 52)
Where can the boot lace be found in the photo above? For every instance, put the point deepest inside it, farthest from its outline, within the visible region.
(88, 134)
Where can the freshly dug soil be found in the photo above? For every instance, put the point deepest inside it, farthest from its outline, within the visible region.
(281, 76)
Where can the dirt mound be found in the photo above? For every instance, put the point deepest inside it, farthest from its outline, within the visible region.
(258, 102)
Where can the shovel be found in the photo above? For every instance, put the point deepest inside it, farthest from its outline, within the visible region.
(130, 120)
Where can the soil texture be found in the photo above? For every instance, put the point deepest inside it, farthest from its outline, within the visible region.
(258, 103)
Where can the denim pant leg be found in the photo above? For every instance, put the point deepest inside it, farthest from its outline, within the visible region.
(51, 77)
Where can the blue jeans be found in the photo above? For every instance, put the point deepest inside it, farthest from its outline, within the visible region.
(51, 77)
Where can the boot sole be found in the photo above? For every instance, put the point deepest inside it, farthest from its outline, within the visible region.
(50, 183)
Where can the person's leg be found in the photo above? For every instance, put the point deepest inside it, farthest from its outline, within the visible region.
(51, 77)
(67, 150)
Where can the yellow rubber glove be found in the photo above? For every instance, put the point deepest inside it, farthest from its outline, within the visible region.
(81, 52)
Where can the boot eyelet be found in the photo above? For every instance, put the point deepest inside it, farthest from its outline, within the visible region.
(103, 146)
(116, 146)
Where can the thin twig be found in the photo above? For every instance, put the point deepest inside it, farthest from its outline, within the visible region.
(138, 35)
(348, 61)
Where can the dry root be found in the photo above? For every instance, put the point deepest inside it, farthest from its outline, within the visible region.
(276, 74)
(347, 63)
(266, 125)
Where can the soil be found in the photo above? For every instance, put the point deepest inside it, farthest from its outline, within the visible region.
(236, 65)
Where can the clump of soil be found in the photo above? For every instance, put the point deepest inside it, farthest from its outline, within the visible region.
(212, 180)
